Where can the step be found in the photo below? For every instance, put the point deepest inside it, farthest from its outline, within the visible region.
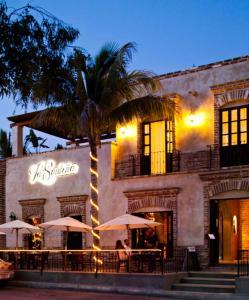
(206, 280)
(207, 274)
(212, 288)
(225, 268)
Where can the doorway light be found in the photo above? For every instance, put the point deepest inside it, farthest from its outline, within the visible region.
(235, 224)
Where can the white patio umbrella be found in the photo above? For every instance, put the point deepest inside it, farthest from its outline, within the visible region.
(127, 222)
(66, 224)
(18, 226)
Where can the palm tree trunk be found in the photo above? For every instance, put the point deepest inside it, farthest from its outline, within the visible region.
(94, 195)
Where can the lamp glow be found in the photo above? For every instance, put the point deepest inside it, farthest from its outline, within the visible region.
(235, 224)
(126, 131)
(195, 119)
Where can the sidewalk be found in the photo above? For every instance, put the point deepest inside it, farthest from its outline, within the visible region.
(130, 291)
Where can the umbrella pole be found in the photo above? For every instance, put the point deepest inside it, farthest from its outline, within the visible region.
(16, 254)
(16, 238)
(66, 237)
(66, 246)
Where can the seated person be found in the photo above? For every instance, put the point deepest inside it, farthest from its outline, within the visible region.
(127, 247)
(119, 245)
(122, 255)
(142, 244)
(152, 238)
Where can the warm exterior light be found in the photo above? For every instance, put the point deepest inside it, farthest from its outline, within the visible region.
(235, 224)
(127, 131)
(195, 119)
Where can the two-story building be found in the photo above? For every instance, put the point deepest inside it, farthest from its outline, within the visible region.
(190, 174)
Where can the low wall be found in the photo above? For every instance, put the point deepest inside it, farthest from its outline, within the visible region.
(110, 282)
(242, 285)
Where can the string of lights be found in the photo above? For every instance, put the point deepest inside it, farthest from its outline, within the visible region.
(95, 206)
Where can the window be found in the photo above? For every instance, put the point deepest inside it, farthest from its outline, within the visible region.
(234, 136)
(157, 147)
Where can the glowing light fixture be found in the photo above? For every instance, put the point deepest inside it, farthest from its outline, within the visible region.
(235, 224)
(127, 131)
(195, 119)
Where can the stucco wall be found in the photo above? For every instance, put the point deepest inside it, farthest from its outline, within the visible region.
(112, 200)
(197, 138)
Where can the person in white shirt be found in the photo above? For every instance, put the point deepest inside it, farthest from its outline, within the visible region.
(127, 247)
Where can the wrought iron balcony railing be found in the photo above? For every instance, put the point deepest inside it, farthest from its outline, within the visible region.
(162, 163)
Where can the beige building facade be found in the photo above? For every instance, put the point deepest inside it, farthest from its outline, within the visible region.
(191, 174)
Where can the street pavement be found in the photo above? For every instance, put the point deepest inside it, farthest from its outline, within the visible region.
(18, 293)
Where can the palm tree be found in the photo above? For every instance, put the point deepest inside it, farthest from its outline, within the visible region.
(5, 144)
(35, 141)
(106, 94)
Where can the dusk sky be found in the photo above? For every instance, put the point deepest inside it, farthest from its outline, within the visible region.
(170, 35)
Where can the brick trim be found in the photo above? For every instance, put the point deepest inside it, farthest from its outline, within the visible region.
(32, 207)
(230, 86)
(73, 205)
(225, 94)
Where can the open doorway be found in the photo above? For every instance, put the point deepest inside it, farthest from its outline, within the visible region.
(33, 241)
(158, 237)
(229, 223)
(74, 240)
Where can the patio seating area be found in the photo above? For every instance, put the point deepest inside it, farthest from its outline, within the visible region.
(139, 261)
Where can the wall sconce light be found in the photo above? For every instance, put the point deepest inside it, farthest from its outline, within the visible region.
(235, 224)
(195, 119)
(127, 131)
(12, 216)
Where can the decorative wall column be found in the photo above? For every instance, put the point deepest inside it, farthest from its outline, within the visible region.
(17, 141)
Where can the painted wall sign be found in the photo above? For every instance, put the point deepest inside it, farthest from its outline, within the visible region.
(46, 172)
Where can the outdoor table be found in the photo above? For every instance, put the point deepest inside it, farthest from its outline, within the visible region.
(144, 260)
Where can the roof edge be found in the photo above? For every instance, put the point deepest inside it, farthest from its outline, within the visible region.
(204, 67)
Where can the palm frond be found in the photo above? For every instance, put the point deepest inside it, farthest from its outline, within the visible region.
(61, 121)
(142, 108)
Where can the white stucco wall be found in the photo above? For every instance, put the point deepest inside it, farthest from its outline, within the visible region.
(112, 200)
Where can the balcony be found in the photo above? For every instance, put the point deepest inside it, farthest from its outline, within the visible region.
(160, 163)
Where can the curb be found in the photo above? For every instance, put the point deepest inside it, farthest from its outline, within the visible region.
(130, 291)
